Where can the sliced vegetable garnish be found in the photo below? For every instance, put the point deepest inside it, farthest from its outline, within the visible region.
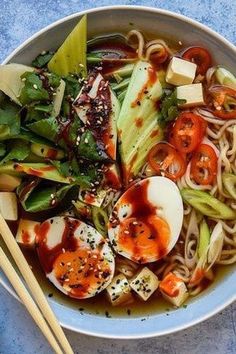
(229, 182)
(137, 124)
(166, 161)
(204, 165)
(100, 220)
(207, 205)
(204, 238)
(70, 58)
(200, 56)
(225, 77)
(188, 132)
(224, 101)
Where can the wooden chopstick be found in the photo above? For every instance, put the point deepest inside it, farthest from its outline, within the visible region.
(33, 285)
(27, 300)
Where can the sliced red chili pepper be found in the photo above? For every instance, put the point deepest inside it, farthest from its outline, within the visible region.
(200, 56)
(188, 132)
(165, 160)
(204, 165)
(223, 96)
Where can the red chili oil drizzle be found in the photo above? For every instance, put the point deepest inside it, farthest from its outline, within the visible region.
(154, 133)
(139, 122)
(48, 256)
(142, 211)
(152, 78)
(51, 154)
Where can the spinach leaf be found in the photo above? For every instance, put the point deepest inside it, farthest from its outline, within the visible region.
(19, 150)
(73, 85)
(72, 89)
(71, 169)
(88, 148)
(54, 80)
(33, 89)
(42, 59)
(47, 128)
(169, 108)
(43, 198)
(27, 135)
(9, 119)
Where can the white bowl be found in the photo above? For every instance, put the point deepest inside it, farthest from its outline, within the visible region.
(165, 23)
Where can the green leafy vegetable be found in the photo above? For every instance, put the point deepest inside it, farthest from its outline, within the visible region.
(137, 122)
(42, 60)
(70, 170)
(169, 108)
(9, 119)
(19, 150)
(207, 205)
(47, 128)
(88, 148)
(46, 198)
(204, 238)
(33, 89)
(27, 135)
(73, 85)
(70, 58)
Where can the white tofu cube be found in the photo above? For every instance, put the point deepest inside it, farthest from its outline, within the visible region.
(9, 183)
(173, 289)
(192, 94)
(8, 206)
(180, 72)
(119, 291)
(145, 283)
(26, 232)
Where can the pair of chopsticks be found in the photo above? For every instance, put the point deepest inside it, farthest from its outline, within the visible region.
(42, 314)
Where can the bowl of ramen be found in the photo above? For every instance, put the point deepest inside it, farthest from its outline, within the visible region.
(118, 173)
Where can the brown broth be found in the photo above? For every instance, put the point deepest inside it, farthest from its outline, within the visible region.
(99, 305)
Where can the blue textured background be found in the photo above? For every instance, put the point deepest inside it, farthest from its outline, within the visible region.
(18, 334)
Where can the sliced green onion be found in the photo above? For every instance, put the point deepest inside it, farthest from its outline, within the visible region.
(100, 220)
(207, 205)
(204, 238)
(229, 182)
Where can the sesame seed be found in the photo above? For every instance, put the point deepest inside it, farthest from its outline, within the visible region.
(35, 86)
(86, 141)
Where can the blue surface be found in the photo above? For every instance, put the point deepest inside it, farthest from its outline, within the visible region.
(18, 334)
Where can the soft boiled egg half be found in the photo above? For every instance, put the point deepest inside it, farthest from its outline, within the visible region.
(146, 221)
(75, 257)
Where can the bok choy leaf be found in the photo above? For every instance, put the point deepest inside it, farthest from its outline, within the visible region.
(70, 58)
